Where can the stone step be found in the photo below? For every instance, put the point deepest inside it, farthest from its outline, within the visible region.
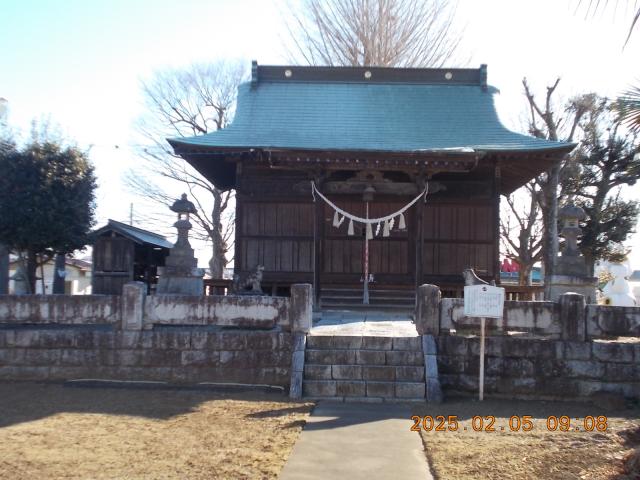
(365, 399)
(372, 298)
(399, 358)
(359, 307)
(362, 388)
(372, 290)
(389, 373)
(351, 342)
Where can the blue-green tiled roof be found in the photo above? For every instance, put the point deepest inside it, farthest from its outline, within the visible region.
(400, 117)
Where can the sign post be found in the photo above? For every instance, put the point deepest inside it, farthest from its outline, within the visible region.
(484, 301)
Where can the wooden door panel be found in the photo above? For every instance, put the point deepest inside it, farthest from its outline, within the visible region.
(343, 254)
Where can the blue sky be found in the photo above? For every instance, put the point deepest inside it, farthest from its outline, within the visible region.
(81, 62)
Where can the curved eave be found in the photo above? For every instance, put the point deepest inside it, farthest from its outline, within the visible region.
(517, 166)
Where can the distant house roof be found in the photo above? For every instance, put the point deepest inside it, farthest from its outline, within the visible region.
(366, 109)
(72, 262)
(136, 234)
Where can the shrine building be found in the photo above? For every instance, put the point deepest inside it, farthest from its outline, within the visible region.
(342, 170)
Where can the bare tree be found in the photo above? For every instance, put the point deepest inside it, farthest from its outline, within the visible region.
(521, 231)
(546, 122)
(386, 33)
(185, 102)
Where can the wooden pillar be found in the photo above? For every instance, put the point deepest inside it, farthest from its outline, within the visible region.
(418, 236)
(239, 218)
(496, 223)
(318, 233)
(419, 241)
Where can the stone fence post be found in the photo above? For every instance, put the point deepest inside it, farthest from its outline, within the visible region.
(301, 313)
(133, 297)
(428, 310)
(573, 317)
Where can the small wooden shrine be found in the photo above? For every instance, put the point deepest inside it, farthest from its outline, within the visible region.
(123, 253)
(340, 171)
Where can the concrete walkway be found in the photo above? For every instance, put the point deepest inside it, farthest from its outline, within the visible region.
(363, 323)
(358, 442)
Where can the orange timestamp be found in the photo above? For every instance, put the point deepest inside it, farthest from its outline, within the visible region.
(515, 423)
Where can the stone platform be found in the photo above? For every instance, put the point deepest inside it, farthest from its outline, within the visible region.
(364, 323)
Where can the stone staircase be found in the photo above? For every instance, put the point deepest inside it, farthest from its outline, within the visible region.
(364, 368)
(348, 298)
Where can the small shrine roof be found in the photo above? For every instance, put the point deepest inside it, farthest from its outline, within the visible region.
(136, 234)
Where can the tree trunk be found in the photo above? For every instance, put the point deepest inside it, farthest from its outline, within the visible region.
(32, 269)
(550, 222)
(59, 275)
(524, 275)
(218, 260)
(590, 263)
(4, 270)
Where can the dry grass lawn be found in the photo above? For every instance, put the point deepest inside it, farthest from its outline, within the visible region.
(536, 454)
(55, 432)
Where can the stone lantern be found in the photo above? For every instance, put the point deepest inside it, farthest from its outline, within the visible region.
(571, 215)
(181, 274)
(183, 208)
(570, 270)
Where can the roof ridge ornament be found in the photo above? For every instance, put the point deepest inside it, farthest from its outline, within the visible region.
(254, 73)
(483, 77)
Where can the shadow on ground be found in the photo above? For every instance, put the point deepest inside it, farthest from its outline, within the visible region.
(28, 401)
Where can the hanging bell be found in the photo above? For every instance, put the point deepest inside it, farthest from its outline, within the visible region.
(336, 219)
(369, 232)
(350, 230)
(402, 225)
(385, 232)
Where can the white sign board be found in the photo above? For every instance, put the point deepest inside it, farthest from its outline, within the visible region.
(483, 301)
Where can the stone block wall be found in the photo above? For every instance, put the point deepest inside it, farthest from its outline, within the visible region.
(605, 320)
(570, 318)
(240, 311)
(535, 317)
(169, 338)
(134, 310)
(184, 355)
(539, 368)
(60, 309)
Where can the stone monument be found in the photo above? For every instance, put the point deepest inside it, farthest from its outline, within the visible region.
(181, 275)
(570, 274)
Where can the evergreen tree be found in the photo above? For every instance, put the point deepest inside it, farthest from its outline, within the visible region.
(607, 159)
(47, 200)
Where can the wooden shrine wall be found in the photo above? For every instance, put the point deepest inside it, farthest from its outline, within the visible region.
(458, 236)
(274, 225)
(275, 220)
(277, 235)
(112, 265)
